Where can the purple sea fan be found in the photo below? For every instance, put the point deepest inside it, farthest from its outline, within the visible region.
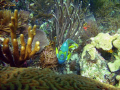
(42, 38)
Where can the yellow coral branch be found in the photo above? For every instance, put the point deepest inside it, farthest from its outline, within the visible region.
(36, 48)
(22, 40)
(16, 19)
(7, 52)
(25, 51)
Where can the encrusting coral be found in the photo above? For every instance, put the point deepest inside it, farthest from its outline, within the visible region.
(114, 66)
(12, 78)
(94, 53)
(101, 41)
(26, 52)
(48, 58)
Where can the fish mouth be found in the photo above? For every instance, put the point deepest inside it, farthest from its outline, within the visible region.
(61, 61)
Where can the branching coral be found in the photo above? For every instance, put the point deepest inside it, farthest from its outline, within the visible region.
(68, 21)
(5, 19)
(15, 58)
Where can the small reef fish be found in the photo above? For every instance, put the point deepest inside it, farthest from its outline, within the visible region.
(16, 0)
(89, 20)
(64, 53)
(110, 51)
(85, 26)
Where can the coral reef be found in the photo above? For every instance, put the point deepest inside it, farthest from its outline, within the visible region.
(102, 40)
(45, 79)
(114, 66)
(42, 38)
(48, 58)
(118, 78)
(108, 15)
(5, 19)
(90, 29)
(92, 59)
(41, 10)
(15, 58)
(23, 19)
(21, 5)
(47, 28)
(72, 66)
(68, 21)
(6, 4)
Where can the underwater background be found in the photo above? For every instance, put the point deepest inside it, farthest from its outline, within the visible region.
(59, 44)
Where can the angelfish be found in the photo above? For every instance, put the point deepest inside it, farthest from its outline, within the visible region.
(64, 54)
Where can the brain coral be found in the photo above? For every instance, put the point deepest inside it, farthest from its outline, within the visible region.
(12, 78)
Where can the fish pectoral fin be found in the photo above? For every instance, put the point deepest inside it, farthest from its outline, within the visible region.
(69, 56)
(76, 44)
(56, 51)
(73, 45)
